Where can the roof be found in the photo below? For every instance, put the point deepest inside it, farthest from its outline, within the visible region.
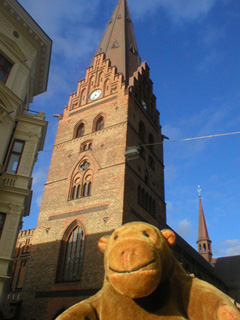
(228, 268)
(118, 42)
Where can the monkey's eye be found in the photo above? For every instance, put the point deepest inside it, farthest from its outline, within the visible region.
(146, 234)
(116, 236)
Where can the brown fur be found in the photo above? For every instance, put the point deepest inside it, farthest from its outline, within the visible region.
(143, 281)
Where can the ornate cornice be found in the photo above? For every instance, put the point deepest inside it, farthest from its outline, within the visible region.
(35, 35)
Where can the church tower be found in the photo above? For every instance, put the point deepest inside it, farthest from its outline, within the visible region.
(203, 242)
(92, 186)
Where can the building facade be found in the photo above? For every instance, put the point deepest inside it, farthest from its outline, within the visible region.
(95, 183)
(24, 63)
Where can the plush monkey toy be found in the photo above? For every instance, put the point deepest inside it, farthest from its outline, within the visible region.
(143, 281)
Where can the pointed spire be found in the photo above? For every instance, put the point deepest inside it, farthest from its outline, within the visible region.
(118, 42)
(204, 242)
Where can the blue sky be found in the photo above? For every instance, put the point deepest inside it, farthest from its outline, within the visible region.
(192, 48)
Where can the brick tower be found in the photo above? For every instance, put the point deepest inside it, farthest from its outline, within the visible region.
(92, 187)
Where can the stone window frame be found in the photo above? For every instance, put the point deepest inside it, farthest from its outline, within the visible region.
(13, 153)
(151, 142)
(151, 163)
(86, 146)
(96, 122)
(3, 216)
(71, 253)
(81, 180)
(77, 127)
(5, 68)
(146, 201)
(142, 130)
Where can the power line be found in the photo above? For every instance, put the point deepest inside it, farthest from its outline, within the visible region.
(193, 138)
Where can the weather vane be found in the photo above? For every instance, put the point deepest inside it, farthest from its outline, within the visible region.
(199, 191)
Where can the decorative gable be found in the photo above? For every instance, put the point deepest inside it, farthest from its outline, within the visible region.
(101, 80)
(142, 88)
(12, 46)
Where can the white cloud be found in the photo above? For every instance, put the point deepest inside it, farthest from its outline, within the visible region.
(231, 243)
(184, 228)
(231, 247)
(170, 172)
(38, 200)
(210, 35)
(172, 132)
(233, 251)
(178, 10)
(39, 177)
(210, 59)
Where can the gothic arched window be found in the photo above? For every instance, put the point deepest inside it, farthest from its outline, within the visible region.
(100, 124)
(71, 253)
(151, 162)
(81, 182)
(139, 195)
(80, 130)
(142, 130)
(154, 208)
(151, 142)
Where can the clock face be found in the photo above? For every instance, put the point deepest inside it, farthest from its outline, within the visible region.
(95, 95)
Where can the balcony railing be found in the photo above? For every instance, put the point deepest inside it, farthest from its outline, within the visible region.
(16, 181)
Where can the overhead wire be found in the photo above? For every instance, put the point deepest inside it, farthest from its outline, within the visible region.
(189, 139)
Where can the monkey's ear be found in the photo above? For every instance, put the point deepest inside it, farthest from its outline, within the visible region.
(169, 235)
(102, 243)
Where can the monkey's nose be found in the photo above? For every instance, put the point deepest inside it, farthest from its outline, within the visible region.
(128, 256)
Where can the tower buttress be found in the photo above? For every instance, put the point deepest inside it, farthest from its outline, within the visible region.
(203, 242)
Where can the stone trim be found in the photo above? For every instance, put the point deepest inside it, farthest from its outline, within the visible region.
(77, 213)
(93, 105)
(90, 134)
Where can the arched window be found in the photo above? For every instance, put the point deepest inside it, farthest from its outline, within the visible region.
(100, 124)
(151, 142)
(147, 199)
(142, 130)
(76, 185)
(78, 191)
(89, 188)
(86, 145)
(151, 163)
(71, 254)
(143, 198)
(142, 152)
(81, 182)
(87, 184)
(80, 130)
(150, 204)
(146, 176)
(154, 208)
(139, 195)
